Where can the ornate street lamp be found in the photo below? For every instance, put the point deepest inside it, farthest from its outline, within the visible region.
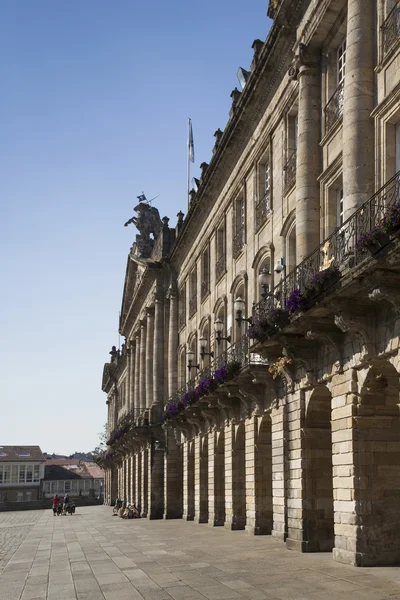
(190, 359)
(203, 345)
(264, 279)
(239, 305)
(219, 329)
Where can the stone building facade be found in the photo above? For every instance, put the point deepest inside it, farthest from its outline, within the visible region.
(259, 385)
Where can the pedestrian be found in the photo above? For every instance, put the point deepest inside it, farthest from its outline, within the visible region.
(56, 500)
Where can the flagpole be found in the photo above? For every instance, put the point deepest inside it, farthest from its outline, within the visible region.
(188, 165)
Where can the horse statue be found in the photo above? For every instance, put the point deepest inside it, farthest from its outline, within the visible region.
(147, 221)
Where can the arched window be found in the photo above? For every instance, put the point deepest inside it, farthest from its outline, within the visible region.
(182, 367)
(204, 340)
(239, 290)
(263, 273)
(220, 328)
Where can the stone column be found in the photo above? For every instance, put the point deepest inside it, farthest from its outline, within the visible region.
(188, 480)
(156, 482)
(278, 472)
(358, 126)
(173, 341)
(113, 484)
(173, 493)
(133, 479)
(149, 356)
(142, 378)
(297, 539)
(229, 446)
(211, 475)
(145, 482)
(138, 471)
(201, 479)
(132, 373)
(158, 372)
(306, 68)
(251, 449)
(136, 391)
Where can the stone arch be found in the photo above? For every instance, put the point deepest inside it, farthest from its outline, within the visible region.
(377, 467)
(205, 331)
(182, 368)
(264, 259)
(188, 481)
(318, 473)
(288, 233)
(239, 288)
(239, 478)
(263, 476)
(221, 312)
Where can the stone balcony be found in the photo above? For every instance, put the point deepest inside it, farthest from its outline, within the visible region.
(316, 301)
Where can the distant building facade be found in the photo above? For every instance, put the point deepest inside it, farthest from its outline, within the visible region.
(72, 476)
(21, 471)
(258, 388)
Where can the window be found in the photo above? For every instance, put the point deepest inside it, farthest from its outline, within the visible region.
(205, 273)
(21, 473)
(291, 149)
(239, 225)
(220, 265)
(341, 62)
(6, 473)
(1, 474)
(340, 207)
(193, 293)
(47, 487)
(36, 473)
(67, 486)
(263, 206)
(182, 306)
(14, 474)
(29, 474)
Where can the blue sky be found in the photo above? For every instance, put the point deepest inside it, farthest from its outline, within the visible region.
(93, 110)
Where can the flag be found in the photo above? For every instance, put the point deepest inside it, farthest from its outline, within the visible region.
(142, 198)
(190, 142)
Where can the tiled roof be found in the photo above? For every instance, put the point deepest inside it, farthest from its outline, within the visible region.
(74, 469)
(19, 453)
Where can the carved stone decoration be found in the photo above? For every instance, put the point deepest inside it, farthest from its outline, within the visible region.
(300, 61)
(334, 342)
(357, 327)
(381, 293)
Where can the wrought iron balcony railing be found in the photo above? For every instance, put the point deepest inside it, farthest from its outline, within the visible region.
(193, 305)
(334, 109)
(220, 267)
(345, 246)
(236, 353)
(205, 289)
(391, 29)
(263, 209)
(238, 241)
(290, 171)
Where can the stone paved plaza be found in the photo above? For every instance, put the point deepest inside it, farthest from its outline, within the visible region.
(92, 556)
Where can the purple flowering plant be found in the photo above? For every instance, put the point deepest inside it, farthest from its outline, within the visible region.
(207, 385)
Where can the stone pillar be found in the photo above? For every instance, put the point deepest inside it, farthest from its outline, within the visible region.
(188, 480)
(136, 391)
(251, 450)
(158, 372)
(235, 478)
(145, 482)
(296, 539)
(211, 475)
(156, 482)
(201, 479)
(132, 373)
(358, 126)
(279, 472)
(308, 162)
(142, 378)
(133, 479)
(173, 341)
(173, 477)
(149, 356)
(138, 475)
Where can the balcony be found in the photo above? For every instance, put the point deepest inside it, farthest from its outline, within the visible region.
(290, 172)
(263, 210)
(391, 30)
(193, 305)
(238, 241)
(204, 290)
(365, 234)
(220, 267)
(334, 109)
(223, 371)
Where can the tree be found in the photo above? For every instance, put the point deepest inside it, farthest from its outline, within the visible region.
(100, 450)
